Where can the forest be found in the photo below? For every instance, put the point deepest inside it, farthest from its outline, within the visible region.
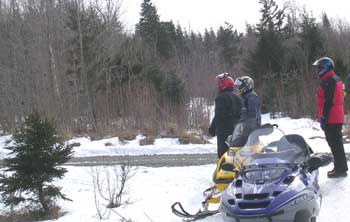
(74, 61)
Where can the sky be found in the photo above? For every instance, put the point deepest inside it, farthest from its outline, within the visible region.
(200, 14)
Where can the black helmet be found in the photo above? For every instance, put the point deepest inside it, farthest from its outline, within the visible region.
(323, 65)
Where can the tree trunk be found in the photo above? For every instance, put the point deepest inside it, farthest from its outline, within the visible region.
(84, 87)
(52, 62)
(43, 201)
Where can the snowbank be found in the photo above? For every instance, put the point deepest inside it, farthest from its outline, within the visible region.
(85, 147)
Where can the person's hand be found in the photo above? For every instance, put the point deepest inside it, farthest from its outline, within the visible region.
(211, 131)
(323, 122)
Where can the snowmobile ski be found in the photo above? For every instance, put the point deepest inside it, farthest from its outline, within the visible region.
(211, 196)
(181, 212)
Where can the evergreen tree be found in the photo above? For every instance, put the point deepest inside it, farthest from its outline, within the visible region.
(311, 38)
(228, 41)
(209, 40)
(326, 29)
(148, 26)
(325, 22)
(341, 68)
(180, 42)
(266, 63)
(173, 88)
(38, 153)
(154, 75)
(194, 41)
(269, 52)
(166, 39)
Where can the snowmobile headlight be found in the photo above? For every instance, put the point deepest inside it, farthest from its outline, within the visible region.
(263, 175)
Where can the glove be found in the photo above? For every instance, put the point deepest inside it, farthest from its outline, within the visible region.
(323, 122)
(211, 131)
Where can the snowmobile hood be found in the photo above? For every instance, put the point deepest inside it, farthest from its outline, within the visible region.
(246, 198)
(271, 176)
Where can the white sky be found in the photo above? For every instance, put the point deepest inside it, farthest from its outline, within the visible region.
(200, 14)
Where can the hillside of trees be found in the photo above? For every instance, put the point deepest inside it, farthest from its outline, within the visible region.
(74, 61)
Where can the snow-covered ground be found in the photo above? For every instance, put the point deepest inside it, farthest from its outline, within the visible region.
(151, 191)
(308, 128)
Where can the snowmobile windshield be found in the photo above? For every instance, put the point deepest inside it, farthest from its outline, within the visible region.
(269, 146)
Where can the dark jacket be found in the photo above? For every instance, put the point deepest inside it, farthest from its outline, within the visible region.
(227, 112)
(250, 119)
(330, 98)
(251, 108)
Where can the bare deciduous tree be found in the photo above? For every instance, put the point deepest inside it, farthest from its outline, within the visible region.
(109, 185)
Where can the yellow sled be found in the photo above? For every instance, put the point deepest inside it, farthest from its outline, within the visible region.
(226, 170)
(224, 174)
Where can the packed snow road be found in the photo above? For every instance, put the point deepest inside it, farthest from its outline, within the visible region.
(164, 160)
(173, 160)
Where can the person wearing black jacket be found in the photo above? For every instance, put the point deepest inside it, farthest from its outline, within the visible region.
(227, 112)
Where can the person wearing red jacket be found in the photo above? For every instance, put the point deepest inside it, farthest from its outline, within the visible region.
(330, 113)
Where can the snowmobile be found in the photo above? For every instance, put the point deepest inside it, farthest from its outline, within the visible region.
(227, 169)
(278, 183)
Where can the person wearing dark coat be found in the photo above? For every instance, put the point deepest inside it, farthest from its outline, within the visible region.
(330, 113)
(227, 112)
(250, 112)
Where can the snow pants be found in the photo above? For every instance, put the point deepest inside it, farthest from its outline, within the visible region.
(221, 144)
(334, 139)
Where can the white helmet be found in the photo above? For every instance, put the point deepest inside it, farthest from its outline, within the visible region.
(243, 84)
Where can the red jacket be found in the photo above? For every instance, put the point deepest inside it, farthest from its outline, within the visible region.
(330, 98)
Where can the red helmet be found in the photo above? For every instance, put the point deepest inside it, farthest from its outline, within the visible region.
(224, 80)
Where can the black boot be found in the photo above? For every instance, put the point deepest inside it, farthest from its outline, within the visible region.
(336, 174)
